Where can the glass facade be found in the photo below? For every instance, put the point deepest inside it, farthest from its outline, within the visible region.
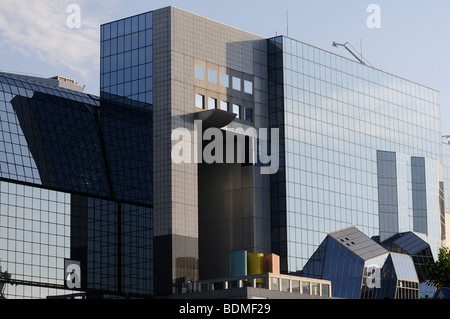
(409, 191)
(75, 186)
(334, 115)
(126, 60)
(347, 279)
(360, 268)
(35, 230)
(403, 283)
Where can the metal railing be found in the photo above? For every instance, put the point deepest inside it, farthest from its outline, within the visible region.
(271, 281)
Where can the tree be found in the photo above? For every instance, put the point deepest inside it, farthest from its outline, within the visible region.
(438, 272)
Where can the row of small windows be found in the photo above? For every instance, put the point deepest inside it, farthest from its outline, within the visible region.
(212, 103)
(224, 80)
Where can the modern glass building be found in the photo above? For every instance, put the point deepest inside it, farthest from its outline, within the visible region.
(336, 115)
(360, 156)
(126, 60)
(75, 189)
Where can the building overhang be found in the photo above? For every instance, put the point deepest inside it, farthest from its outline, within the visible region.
(215, 118)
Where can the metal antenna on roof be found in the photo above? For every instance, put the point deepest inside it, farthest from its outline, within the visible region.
(360, 59)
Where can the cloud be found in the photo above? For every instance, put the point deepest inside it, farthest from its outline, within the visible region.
(39, 28)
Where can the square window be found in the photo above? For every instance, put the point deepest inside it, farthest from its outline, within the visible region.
(224, 105)
(199, 72)
(236, 83)
(248, 87)
(200, 101)
(224, 80)
(212, 103)
(212, 76)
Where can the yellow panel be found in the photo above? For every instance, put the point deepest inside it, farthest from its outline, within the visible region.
(255, 263)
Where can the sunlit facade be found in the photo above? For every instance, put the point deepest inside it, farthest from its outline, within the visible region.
(336, 114)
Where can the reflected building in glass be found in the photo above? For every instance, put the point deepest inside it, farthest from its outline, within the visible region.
(360, 157)
(75, 193)
(410, 192)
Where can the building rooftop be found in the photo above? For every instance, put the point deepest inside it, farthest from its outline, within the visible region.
(57, 81)
(357, 242)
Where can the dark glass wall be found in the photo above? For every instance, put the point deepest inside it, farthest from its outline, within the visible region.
(126, 76)
(62, 136)
(128, 144)
(344, 268)
(334, 114)
(126, 62)
(387, 193)
(76, 185)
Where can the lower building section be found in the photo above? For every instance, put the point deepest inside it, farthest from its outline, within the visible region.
(234, 214)
(171, 270)
(254, 275)
(55, 243)
(260, 286)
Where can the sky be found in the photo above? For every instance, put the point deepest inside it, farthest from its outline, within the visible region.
(412, 40)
